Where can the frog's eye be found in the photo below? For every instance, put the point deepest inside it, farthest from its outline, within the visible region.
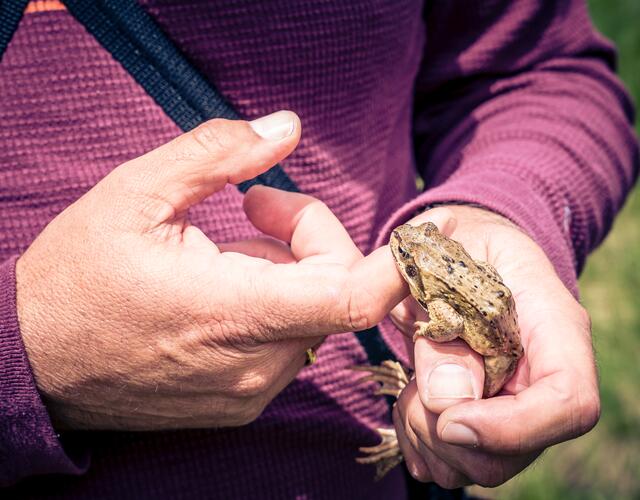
(403, 253)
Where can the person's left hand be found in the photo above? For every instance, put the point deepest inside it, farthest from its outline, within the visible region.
(450, 436)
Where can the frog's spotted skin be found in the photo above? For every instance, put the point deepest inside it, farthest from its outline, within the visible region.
(464, 299)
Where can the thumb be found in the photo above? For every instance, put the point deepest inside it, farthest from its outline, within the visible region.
(164, 183)
(447, 373)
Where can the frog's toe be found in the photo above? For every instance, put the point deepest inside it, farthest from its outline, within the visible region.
(386, 455)
(390, 374)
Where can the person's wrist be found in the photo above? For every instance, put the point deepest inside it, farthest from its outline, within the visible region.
(33, 329)
(28, 321)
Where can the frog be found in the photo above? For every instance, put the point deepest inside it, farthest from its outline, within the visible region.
(463, 298)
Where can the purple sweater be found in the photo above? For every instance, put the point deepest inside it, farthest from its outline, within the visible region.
(512, 105)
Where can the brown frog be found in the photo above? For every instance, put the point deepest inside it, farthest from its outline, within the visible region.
(464, 299)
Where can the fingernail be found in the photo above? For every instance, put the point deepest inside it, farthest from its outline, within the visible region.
(450, 381)
(455, 433)
(275, 126)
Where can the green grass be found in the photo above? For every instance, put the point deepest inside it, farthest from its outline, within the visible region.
(605, 463)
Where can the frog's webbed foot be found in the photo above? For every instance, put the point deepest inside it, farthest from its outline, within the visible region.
(386, 455)
(444, 324)
(393, 378)
(390, 374)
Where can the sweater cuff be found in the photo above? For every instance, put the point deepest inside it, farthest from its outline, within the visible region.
(28, 443)
(502, 193)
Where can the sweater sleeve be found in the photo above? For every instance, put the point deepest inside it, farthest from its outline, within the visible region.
(517, 109)
(29, 444)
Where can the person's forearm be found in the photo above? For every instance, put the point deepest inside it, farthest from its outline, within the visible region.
(559, 136)
(529, 121)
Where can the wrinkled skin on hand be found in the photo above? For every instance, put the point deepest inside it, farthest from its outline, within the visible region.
(446, 432)
(133, 319)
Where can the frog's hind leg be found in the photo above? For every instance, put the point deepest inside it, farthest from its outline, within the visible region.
(392, 379)
(444, 323)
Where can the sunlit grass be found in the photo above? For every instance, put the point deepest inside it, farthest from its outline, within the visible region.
(605, 463)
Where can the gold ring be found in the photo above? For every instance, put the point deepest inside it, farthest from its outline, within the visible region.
(312, 357)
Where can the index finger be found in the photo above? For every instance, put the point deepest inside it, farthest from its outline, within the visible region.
(315, 299)
(331, 298)
(315, 233)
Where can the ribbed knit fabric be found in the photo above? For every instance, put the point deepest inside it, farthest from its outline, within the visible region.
(511, 105)
(28, 440)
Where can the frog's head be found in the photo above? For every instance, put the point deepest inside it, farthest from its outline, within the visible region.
(438, 267)
(427, 260)
(409, 244)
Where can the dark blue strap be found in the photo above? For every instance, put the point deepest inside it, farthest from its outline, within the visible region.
(10, 14)
(137, 43)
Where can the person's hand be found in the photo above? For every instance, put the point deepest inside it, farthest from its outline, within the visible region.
(450, 436)
(133, 319)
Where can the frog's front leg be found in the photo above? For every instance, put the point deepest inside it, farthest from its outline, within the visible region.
(393, 379)
(443, 325)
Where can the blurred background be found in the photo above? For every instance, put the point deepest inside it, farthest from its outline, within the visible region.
(604, 464)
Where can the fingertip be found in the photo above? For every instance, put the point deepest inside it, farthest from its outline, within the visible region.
(442, 217)
(385, 286)
(272, 210)
(418, 469)
(278, 126)
(458, 434)
(447, 374)
(251, 197)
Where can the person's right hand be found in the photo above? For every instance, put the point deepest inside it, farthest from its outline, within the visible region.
(133, 319)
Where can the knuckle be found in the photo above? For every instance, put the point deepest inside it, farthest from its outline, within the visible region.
(245, 418)
(250, 412)
(589, 411)
(584, 317)
(213, 137)
(582, 406)
(252, 386)
(491, 474)
(448, 478)
(564, 393)
(359, 314)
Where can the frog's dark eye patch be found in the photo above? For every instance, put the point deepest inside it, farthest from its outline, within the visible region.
(412, 272)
